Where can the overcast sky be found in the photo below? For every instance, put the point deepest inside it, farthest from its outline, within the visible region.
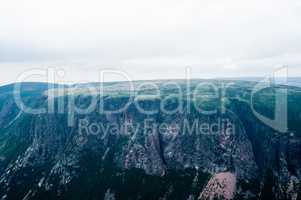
(150, 39)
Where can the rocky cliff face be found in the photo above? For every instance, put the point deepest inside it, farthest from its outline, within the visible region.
(220, 186)
(186, 154)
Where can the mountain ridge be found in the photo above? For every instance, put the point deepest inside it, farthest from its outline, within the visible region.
(43, 157)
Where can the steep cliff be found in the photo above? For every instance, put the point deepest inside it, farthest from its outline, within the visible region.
(187, 153)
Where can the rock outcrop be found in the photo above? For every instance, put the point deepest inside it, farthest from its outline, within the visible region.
(220, 186)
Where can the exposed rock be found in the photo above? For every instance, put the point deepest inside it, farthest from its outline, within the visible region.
(109, 195)
(220, 186)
